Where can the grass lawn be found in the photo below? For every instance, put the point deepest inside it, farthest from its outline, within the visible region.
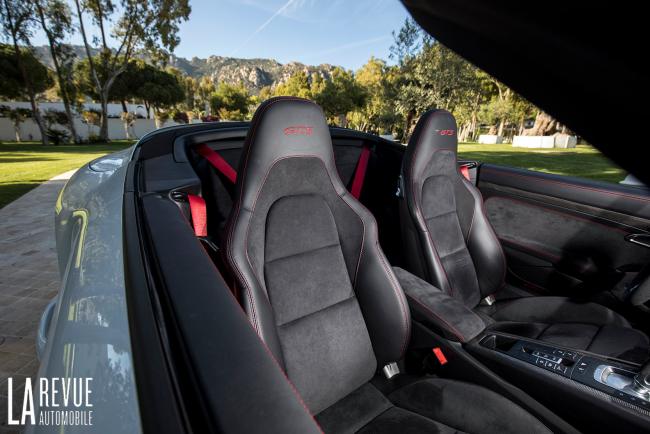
(582, 161)
(24, 166)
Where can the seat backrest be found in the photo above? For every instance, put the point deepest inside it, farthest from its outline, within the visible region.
(312, 277)
(448, 239)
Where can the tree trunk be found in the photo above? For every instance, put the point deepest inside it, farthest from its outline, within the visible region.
(59, 75)
(502, 124)
(103, 129)
(473, 127)
(544, 125)
(36, 112)
(30, 91)
(17, 131)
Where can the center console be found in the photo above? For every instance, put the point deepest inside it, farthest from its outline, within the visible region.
(606, 394)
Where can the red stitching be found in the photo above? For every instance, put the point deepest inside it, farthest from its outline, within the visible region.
(473, 190)
(530, 249)
(267, 349)
(418, 210)
(584, 187)
(458, 334)
(556, 211)
(343, 198)
(233, 221)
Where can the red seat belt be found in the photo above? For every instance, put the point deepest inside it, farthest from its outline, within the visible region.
(360, 173)
(217, 162)
(464, 170)
(199, 215)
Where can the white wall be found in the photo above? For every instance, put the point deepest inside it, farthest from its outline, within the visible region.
(556, 141)
(533, 141)
(114, 110)
(490, 139)
(29, 129)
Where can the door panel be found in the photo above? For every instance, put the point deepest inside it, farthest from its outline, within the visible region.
(563, 235)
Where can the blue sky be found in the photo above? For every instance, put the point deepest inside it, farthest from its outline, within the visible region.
(339, 32)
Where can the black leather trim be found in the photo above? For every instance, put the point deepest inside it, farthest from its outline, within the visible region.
(421, 148)
(288, 127)
(613, 197)
(436, 131)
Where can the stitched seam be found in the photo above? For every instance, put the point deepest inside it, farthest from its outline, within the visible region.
(593, 338)
(400, 300)
(583, 187)
(306, 252)
(567, 215)
(530, 249)
(230, 254)
(391, 278)
(268, 351)
(290, 322)
(428, 309)
(476, 192)
(418, 211)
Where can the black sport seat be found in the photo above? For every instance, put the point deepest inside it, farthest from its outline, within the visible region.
(451, 244)
(319, 291)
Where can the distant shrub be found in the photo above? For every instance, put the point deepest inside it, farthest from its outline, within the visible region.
(93, 138)
(55, 117)
(57, 136)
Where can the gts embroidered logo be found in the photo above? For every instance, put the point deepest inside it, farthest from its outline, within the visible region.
(446, 132)
(298, 130)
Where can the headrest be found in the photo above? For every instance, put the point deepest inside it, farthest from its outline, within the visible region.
(283, 127)
(435, 131)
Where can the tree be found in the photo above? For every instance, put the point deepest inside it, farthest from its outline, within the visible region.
(17, 116)
(204, 93)
(378, 113)
(231, 102)
(298, 84)
(55, 19)
(338, 95)
(137, 24)
(15, 18)
(160, 90)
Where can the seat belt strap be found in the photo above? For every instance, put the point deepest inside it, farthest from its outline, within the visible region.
(464, 170)
(360, 173)
(199, 215)
(217, 161)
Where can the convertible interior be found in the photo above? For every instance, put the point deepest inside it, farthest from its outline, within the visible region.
(307, 278)
(287, 276)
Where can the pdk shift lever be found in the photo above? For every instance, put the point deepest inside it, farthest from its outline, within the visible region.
(642, 381)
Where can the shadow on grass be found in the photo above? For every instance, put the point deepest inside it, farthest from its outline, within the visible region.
(12, 191)
(24, 158)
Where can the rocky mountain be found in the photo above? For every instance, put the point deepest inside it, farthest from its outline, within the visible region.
(253, 73)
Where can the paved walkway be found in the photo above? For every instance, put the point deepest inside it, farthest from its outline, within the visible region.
(29, 279)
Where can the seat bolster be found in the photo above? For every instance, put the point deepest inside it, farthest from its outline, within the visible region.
(551, 310)
(425, 142)
(253, 296)
(484, 247)
(381, 298)
(465, 407)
